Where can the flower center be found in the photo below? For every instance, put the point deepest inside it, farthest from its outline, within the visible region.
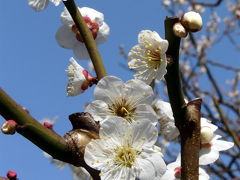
(93, 27)
(125, 156)
(177, 173)
(123, 109)
(149, 55)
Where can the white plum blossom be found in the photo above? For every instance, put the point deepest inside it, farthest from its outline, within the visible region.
(130, 100)
(69, 37)
(78, 78)
(210, 145)
(166, 120)
(39, 5)
(125, 151)
(148, 58)
(174, 172)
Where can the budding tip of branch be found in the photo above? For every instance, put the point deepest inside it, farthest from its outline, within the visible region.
(179, 30)
(11, 175)
(48, 125)
(192, 21)
(9, 127)
(195, 102)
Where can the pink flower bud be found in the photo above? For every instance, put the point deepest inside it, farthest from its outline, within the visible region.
(177, 173)
(179, 30)
(48, 125)
(11, 175)
(9, 127)
(192, 21)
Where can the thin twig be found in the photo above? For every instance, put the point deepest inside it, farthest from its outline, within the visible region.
(87, 38)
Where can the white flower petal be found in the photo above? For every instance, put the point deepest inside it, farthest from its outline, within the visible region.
(163, 45)
(55, 2)
(118, 173)
(170, 174)
(98, 109)
(169, 131)
(92, 14)
(166, 120)
(80, 173)
(148, 57)
(76, 78)
(149, 169)
(80, 51)
(207, 156)
(164, 109)
(203, 175)
(109, 88)
(139, 90)
(144, 134)
(221, 145)
(115, 154)
(66, 18)
(103, 33)
(145, 111)
(115, 129)
(162, 70)
(38, 5)
(147, 35)
(66, 38)
(207, 123)
(97, 154)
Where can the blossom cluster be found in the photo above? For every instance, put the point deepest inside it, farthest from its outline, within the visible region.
(128, 114)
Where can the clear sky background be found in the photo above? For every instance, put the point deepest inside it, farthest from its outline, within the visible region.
(32, 69)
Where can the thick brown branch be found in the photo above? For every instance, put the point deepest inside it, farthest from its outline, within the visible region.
(187, 117)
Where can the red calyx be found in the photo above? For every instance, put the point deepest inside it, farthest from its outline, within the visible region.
(12, 175)
(93, 27)
(48, 125)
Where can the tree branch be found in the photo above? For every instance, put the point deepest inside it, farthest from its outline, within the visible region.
(225, 122)
(187, 117)
(87, 38)
(41, 136)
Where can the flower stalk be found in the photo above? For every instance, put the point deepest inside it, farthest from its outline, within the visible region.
(87, 38)
(187, 116)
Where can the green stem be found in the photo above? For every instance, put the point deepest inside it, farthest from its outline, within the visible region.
(87, 38)
(30, 128)
(42, 137)
(187, 116)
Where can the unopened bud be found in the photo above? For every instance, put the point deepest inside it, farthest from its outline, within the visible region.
(177, 172)
(179, 30)
(48, 125)
(11, 175)
(206, 135)
(9, 127)
(192, 21)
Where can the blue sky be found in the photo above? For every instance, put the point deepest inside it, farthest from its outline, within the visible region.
(32, 69)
